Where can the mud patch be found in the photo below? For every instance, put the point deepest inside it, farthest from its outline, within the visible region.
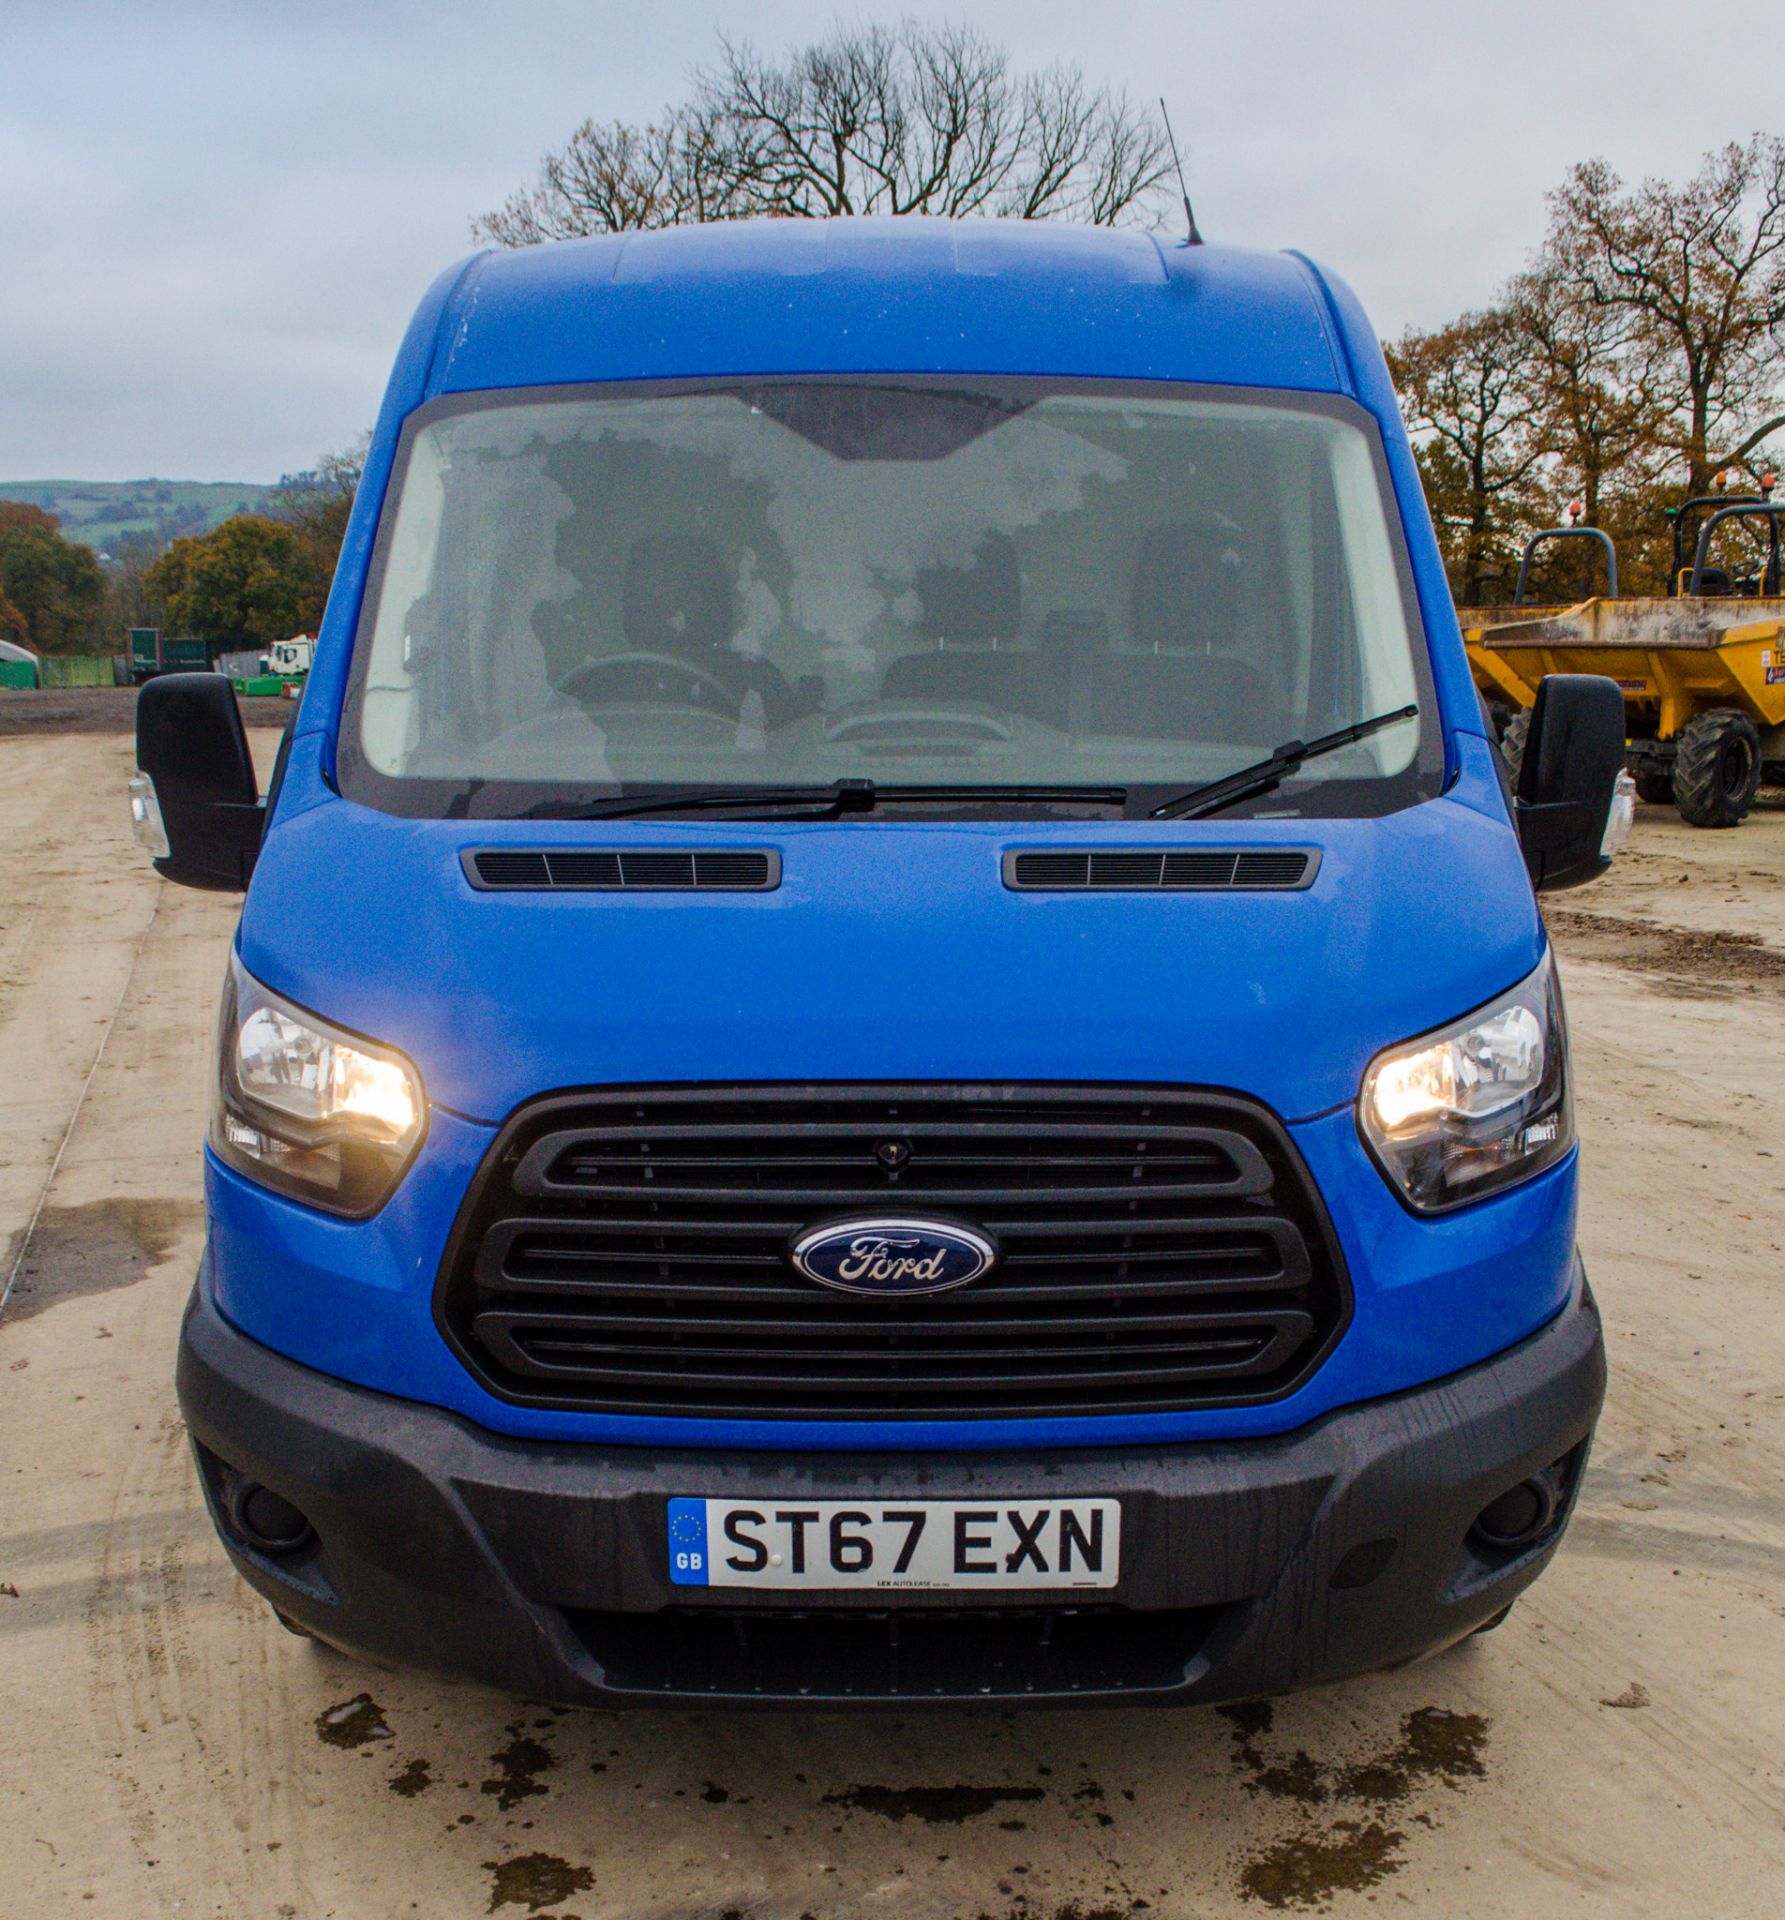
(518, 1767)
(1346, 1854)
(1071, 1911)
(1435, 1746)
(1308, 1870)
(352, 1723)
(1249, 1718)
(1685, 959)
(415, 1778)
(1300, 1778)
(534, 1881)
(939, 1806)
(97, 1248)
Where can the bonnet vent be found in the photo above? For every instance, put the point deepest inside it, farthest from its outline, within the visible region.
(1167, 869)
(572, 870)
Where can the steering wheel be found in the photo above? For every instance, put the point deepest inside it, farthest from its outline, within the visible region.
(718, 698)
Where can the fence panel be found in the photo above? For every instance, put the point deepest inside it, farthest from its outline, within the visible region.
(78, 670)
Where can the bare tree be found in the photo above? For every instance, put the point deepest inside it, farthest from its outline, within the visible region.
(911, 119)
(614, 177)
(1699, 269)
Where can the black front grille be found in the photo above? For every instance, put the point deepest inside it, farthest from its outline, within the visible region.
(934, 1654)
(1159, 1249)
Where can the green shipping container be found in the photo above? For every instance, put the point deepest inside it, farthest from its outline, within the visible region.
(17, 673)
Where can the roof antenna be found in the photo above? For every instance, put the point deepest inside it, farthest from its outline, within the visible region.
(1195, 238)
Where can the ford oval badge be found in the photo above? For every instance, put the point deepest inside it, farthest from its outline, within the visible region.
(892, 1256)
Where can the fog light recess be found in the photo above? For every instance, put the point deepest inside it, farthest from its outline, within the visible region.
(1521, 1515)
(267, 1520)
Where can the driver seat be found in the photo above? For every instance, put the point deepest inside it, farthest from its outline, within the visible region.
(677, 600)
(1187, 616)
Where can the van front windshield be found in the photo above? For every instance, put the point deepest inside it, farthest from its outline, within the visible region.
(939, 586)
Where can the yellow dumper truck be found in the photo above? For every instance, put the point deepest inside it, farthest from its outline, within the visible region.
(1702, 670)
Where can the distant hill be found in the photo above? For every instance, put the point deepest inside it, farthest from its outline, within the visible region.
(99, 511)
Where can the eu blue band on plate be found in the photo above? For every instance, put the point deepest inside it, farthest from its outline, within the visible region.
(688, 1543)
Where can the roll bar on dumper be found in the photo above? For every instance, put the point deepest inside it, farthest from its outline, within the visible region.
(1702, 670)
(1699, 580)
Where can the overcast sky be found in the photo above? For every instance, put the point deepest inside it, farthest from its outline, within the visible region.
(215, 219)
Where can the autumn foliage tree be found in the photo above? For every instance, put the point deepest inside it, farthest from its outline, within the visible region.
(244, 584)
(51, 588)
(258, 578)
(1696, 273)
(12, 624)
(1465, 390)
(1640, 353)
(909, 119)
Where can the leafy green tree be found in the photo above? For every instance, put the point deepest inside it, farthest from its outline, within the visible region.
(246, 584)
(54, 586)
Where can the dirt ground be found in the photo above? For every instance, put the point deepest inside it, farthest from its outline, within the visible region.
(1616, 1749)
(101, 710)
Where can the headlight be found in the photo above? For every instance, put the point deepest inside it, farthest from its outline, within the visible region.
(315, 1113)
(1476, 1106)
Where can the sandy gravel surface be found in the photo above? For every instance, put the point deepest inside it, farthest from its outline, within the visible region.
(1616, 1749)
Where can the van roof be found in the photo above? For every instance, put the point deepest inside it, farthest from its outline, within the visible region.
(907, 295)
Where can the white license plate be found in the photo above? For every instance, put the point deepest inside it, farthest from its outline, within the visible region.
(959, 1544)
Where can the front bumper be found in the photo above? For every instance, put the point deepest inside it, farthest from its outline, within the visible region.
(1249, 1567)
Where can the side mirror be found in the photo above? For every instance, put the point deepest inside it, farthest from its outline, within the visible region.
(195, 801)
(1574, 803)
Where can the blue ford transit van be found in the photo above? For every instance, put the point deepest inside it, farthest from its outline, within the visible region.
(890, 1039)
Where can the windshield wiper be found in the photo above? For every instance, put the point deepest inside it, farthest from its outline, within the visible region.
(1270, 773)
(813, 803)
(822, 802)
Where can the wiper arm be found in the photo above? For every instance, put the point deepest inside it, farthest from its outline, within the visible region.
(813, 803)
(824, 802)
(1270, 773)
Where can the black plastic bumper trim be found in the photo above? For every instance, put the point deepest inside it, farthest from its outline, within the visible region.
(443, 1546)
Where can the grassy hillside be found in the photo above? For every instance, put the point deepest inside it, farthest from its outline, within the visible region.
(99, 511)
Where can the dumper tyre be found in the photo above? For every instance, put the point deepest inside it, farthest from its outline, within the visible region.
(1655, 785)
(1716, 769)
(1512, 745)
